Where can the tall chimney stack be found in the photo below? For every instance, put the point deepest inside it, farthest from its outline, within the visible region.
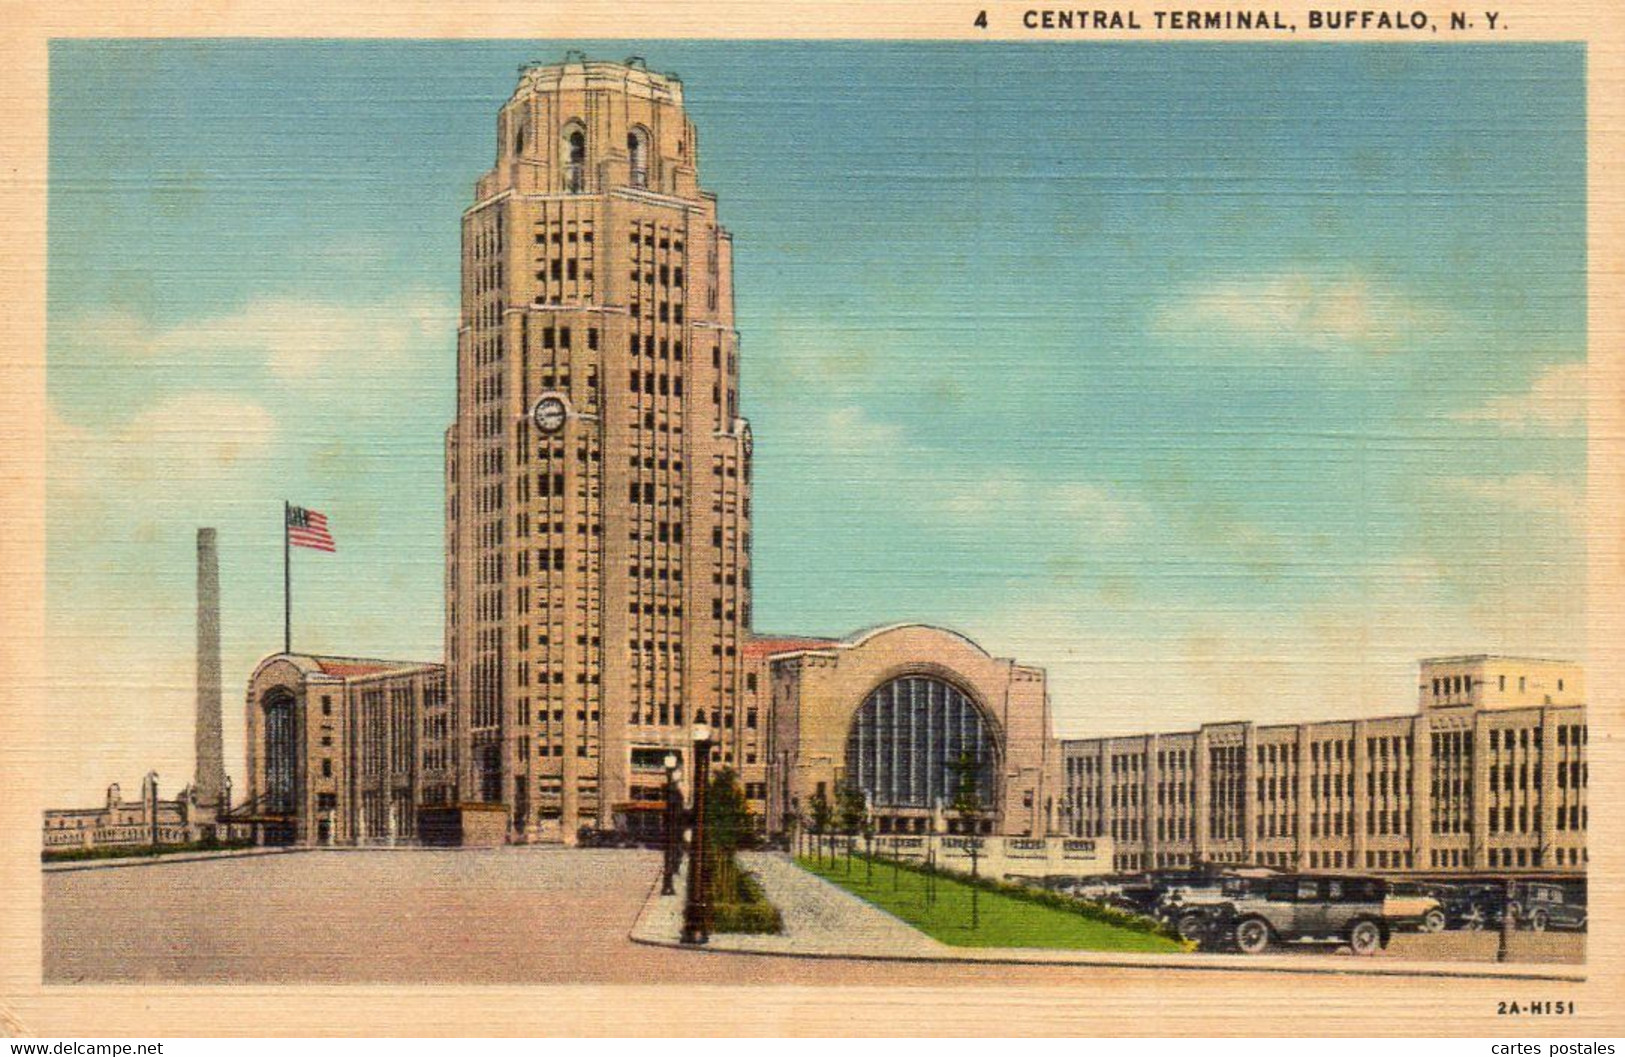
(210, 779)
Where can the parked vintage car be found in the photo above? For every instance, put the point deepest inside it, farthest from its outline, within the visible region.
(1290, 909)
(1190, 908)
(1470, 906)
(1539, 906)
(1413, 907)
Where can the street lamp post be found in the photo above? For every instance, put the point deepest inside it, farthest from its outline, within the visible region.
(674, 824)
(697, 910)
(1509, 920)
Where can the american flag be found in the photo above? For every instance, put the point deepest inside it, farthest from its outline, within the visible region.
(308, 528)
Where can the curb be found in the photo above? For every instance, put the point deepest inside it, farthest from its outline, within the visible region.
(246, 853)
(1171, 965)
(164, 860)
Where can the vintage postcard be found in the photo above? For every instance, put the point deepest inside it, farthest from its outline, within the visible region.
(1020, 521)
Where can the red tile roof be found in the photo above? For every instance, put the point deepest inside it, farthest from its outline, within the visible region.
(349, 668)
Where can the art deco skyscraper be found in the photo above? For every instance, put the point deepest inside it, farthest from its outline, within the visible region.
(598, 471)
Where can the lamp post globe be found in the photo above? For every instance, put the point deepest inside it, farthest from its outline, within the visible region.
(673, 819)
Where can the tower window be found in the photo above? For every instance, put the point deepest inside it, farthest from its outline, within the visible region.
(575, 155)
(637, 153)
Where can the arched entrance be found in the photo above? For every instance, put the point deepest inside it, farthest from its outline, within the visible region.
(918, 747)
(281, 804)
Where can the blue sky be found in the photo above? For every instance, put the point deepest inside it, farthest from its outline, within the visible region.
(1223, 381)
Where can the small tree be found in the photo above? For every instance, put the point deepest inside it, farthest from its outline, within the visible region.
(851, 809)
(967, 801)
(727, 814)
(967, 804)
(727, 828)
(823, 815)
(868, 846)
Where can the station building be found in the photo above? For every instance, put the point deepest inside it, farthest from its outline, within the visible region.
(907, 715)
(598, 571)
(1488, 774)
(346, 750)
(598, 537)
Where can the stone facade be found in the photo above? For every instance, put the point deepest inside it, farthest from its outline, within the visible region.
(598, 471)
(345, 750)
(1489, 774)
(935, 697)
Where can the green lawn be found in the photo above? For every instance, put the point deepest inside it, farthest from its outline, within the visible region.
(1004, 921)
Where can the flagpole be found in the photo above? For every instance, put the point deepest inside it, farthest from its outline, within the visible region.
(287, 587)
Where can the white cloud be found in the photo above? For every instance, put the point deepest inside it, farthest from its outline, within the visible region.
(188, 444)
(1541, 495)
(1149, 665)
(852, 431)
(300, 339)
(1324, 312)
(1554, 404)
(1105, 511)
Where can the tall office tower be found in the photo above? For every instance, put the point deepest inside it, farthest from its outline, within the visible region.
(598, 472)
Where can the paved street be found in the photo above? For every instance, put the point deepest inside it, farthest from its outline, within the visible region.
(544, 915)
(504, 916)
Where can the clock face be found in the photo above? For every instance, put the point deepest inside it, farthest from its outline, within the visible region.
(549, 413)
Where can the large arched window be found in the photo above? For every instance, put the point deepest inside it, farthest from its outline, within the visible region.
(915, 741)
(574, 136)
(637, 154)
(281, 752)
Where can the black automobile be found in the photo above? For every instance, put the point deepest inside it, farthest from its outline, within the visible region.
(1539, 906)
(1188, 903)
(592, 837)
(1314, 908)
(1471, 907)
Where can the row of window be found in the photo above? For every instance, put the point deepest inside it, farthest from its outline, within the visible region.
(1398, 783)
(558, 237)
(664, 349)
(1452, 685)
(655, 385)
(667, 275)
(560, 270)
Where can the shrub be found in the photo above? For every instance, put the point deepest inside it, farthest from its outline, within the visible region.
(747, 917)
(738, 903)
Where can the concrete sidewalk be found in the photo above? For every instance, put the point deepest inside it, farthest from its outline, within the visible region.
(820, 919)
(823, 920)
